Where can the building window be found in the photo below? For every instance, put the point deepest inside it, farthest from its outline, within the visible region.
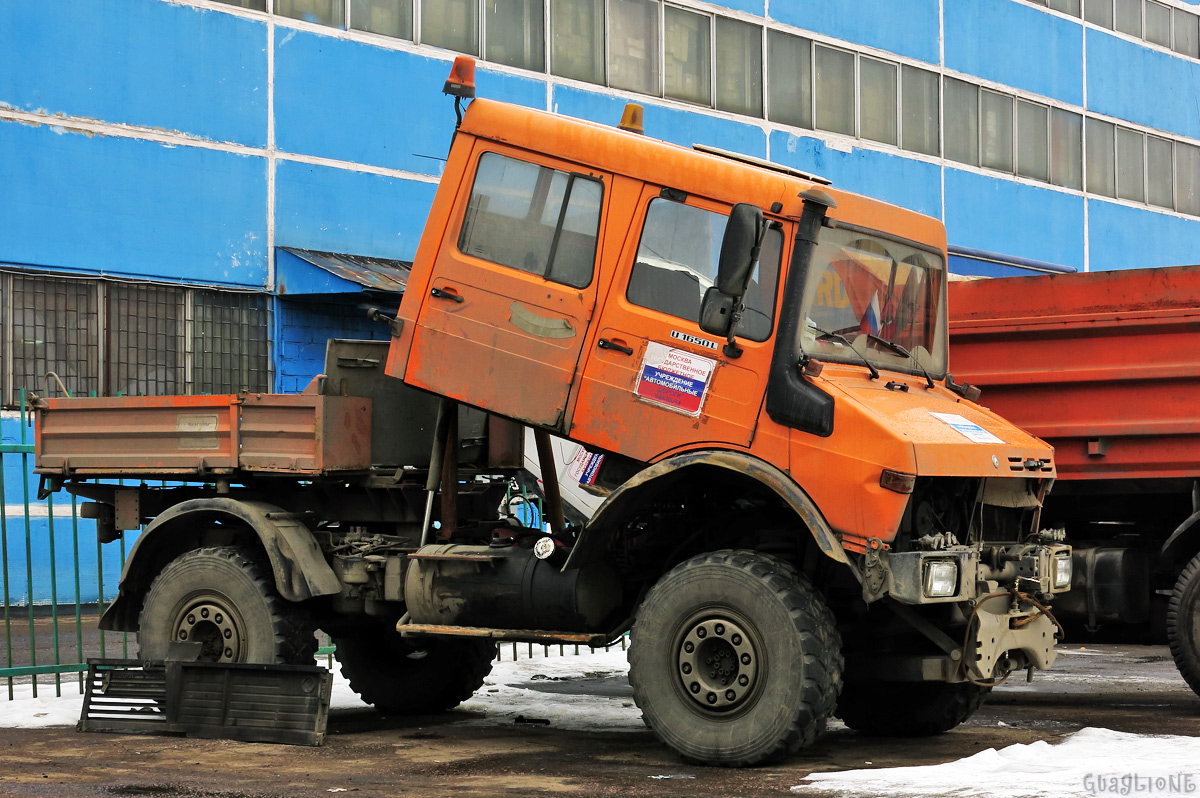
(1185, 34)
(633, 54)
(789, 71)
(253, 5)
(1066, 149)
(739, 67)
(834, 90)
(1158, 24)
(577, 39)
(1099, 12)
(919, 102)
(1187, 179)
(1066, 6)
(147, 342)
(1101, 158)
(158, 340)
(1128, 17)
(452, 24)
(1131, 165)
(687, 49)
(962, 121)
(323, 12)
(1033, 136)
(877, 100)
(996, 127)
(387, 17)
(533, 218)
(514, 34)
(1160, 172)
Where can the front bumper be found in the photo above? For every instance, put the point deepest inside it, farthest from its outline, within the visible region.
(1029, 568)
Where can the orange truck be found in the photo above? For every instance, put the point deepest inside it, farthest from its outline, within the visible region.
(803, 515)
(1103, 366)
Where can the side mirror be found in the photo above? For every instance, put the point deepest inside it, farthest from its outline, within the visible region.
(738, 248)
(716, 312)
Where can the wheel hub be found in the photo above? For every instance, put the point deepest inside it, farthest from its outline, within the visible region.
(717, 664)
(214, 626)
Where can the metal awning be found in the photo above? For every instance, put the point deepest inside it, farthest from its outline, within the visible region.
(336, 273)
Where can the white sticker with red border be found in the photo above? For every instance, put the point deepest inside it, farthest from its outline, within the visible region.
(969, 429)
(585, 466)
(674, 378)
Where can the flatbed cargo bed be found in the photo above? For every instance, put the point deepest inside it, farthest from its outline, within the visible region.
(189, 438)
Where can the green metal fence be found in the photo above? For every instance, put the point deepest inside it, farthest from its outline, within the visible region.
(54, 584)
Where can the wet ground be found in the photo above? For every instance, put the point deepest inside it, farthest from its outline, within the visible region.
(1126, 688)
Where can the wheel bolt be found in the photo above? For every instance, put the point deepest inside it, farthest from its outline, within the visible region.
(745, 659)
(689, 647)
(712, 674)
(204, 613)
(743, 680)
(183, 634)
(191, 619)
(701, 632)
(737, 639)
(228, 633)
(712, 698)
(719, 628)
(229, 653)
(218, 617)
(695, 687)
(730, 695)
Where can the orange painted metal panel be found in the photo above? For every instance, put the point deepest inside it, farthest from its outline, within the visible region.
(198, 437)
(1105, 366)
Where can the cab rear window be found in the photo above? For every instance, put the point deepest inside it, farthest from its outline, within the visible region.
(529, 217)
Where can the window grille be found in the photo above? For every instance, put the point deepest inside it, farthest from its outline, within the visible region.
(53, 325)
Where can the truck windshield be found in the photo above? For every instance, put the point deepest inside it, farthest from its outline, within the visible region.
(862, 288)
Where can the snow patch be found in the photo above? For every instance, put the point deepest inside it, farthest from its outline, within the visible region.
(1088, 762)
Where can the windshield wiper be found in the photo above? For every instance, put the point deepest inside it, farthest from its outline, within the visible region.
(899, 350)
(841, 339)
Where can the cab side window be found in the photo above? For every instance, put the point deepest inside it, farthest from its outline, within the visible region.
(677, 262)
(533, 218)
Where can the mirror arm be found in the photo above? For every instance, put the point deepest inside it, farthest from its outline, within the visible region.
(731, 349)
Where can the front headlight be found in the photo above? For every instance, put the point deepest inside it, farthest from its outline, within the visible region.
(1062, 570)
(941, 578)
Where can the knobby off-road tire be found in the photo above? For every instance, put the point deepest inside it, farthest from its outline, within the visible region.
(908, 709)
(417, 677)
(1183, 624)
(735, 660)
(222, 598)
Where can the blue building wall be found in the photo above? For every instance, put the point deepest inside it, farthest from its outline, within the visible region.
(305, 328)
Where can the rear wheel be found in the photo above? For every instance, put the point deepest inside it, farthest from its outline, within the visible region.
(734, 659)
(908, 709)
(402, 676)
(1183, 624)
(222, 599)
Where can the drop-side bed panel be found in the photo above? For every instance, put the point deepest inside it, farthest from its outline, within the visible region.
(190, 437)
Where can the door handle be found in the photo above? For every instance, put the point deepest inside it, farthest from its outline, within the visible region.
(604, 343)
(439, 293)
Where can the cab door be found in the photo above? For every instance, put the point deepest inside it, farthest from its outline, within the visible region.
(654, 382)
(512, 291)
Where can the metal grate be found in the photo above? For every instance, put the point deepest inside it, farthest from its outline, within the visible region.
(55, 327)
(229, 343)
(146, 340)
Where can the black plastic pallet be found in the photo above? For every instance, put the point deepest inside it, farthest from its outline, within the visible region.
(248, 702)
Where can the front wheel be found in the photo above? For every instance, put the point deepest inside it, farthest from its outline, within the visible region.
(735, 660)
(908, 709)
(221, 598)
(1183, 624)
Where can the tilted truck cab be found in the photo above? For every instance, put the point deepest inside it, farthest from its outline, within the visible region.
(803, 515)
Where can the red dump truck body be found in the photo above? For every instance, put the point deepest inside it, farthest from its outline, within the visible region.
(1102, 365)
(1105, 367)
